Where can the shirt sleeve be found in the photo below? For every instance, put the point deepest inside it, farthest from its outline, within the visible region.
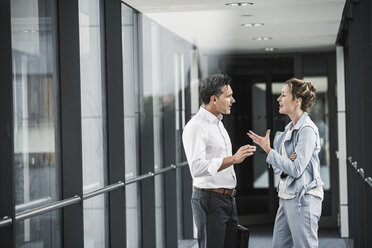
(304, 150)
(195, 144)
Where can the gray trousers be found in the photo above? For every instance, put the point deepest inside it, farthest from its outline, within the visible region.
(216, 219)
(296, 227)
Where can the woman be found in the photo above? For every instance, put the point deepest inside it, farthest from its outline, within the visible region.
(295, 158)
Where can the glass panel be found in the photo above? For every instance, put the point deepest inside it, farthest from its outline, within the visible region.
(131, 124)
(260, 170)
(280, 121)
(194, 82)
(37, 225)
(36, 140)
(158, 133)
(319, 114)
(93, 122)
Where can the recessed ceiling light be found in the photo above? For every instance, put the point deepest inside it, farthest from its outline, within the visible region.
(262, 38)
(270, 49)
(252, 24)
(29, 31)
(239, 4)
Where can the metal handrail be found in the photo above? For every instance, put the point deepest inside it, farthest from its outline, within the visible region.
(171, 167)
(6, 221)
(350, 159)
(369, 181)
(163, 170)
(76, 199)
(50, 207)
(33, 204)
(361, 172)
(103, 190)
(354, 165)
(140, 178)
(182, 164)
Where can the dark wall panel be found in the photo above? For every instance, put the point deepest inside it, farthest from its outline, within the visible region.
(7, 237)
(146, 134)
(355, 35)
(70, 116)
(314, 64)
(115, 121)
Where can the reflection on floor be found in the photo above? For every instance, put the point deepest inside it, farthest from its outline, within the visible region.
(261, 237)
(188, 243)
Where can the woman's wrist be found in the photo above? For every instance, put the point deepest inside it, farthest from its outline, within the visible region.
(267, 149)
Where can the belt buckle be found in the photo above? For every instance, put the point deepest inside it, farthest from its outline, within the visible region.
(233, 193)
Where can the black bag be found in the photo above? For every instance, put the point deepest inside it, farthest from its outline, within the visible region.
(243, 237)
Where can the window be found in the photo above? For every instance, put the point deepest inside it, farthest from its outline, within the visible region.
(36, 140)
(93, 122)
(131, 124)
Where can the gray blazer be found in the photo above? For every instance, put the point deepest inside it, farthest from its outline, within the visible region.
(304, 171)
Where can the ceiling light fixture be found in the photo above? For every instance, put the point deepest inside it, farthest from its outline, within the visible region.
(262, 38)
(252, 24)
(29, 31)
(239, 4)
(247, 15)
(270, 49)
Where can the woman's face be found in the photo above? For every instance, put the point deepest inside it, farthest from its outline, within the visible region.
(287, 105)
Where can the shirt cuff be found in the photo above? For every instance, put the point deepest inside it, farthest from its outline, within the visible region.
(214, 166)
(270, 157)
(270, 160)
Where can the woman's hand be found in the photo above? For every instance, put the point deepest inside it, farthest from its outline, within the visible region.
(263, 142)
(293, 156)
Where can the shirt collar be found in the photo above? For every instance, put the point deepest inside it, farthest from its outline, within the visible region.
(300, 121)
(209, 116)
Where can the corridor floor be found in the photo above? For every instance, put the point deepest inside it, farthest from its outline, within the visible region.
(261, 237)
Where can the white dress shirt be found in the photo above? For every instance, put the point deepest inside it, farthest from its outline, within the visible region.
(206, 144)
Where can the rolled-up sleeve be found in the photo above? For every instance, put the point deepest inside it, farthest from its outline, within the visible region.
(195, 144)
(304, 150)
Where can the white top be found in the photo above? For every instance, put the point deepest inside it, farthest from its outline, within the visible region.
(283, 183)
(207, 143)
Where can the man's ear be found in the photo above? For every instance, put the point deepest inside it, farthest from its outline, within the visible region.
(213, 98)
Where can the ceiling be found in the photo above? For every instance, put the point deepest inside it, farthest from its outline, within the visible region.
(211, 25)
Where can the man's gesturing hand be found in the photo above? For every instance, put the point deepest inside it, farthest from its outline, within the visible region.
(243, 152)
(238, 157)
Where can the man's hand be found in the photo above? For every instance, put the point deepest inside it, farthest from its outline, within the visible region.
(243, 153)
(238, 157)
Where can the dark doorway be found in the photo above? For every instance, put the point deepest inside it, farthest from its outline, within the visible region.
(255, 83)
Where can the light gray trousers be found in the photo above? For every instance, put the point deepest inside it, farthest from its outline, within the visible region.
(296, 227)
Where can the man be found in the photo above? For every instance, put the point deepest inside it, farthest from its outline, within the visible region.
(208, 151)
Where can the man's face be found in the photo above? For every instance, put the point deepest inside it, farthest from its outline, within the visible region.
(225, 100)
